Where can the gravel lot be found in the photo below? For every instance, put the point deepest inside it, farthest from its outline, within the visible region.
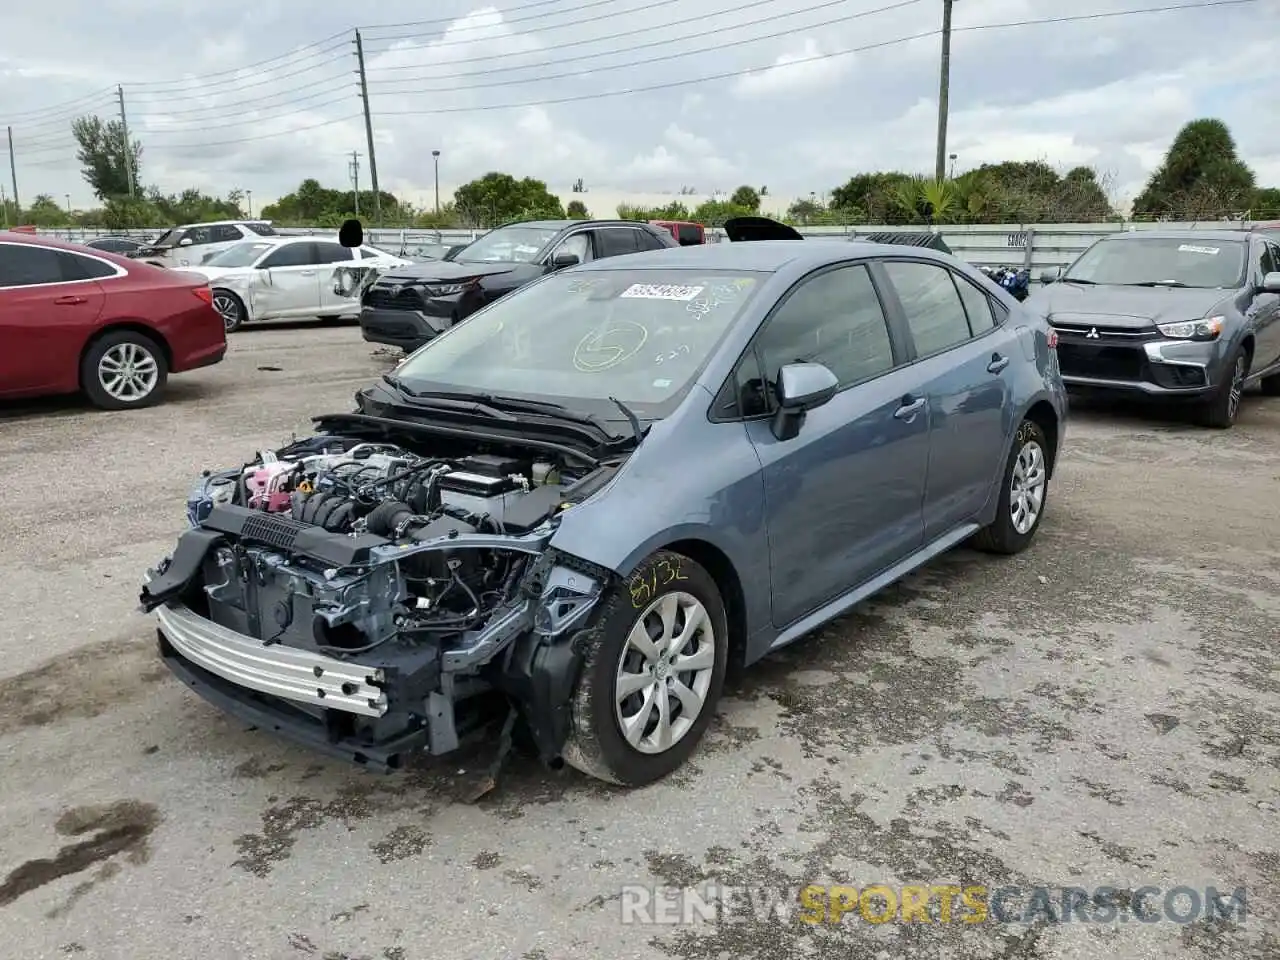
(1100, 711)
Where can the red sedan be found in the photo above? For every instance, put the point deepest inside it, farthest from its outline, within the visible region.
(73, 318)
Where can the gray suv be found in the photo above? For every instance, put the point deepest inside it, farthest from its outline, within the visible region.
(1170, 315)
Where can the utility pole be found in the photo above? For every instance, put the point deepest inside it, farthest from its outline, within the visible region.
(4, 207)
(354, 169)
(435, 155)
(13, 173)
(368, 131)
(944, 92)
(124, 133)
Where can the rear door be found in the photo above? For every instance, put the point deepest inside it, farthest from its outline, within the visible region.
(963, 358)
(617, 241)
(843, 498)
(288, 283)
(50, 301)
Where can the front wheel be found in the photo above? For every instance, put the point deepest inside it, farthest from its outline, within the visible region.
(654, 669)
(1222, 408)
(231, 309)
(1023, 492)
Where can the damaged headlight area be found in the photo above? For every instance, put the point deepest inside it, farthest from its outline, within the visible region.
(372, 601)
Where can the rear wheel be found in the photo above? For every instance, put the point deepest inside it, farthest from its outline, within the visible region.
(231, 308)
(1023, 493)
(124, 369)
(653, 673)
(1222, 408)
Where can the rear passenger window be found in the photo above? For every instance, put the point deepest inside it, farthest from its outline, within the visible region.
(85, 268)
(935, 315)
(976, 304)
(616, 241)
(835, 319)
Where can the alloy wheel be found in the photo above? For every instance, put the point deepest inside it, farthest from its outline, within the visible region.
(128, 372)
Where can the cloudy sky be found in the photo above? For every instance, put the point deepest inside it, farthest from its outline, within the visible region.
(795, 95)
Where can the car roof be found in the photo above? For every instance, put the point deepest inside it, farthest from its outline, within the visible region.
(219, 223)
(1221, 236)
(564, 224)
(766, 256)
(10, 236)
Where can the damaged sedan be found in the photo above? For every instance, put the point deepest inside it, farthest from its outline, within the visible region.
(597, 495)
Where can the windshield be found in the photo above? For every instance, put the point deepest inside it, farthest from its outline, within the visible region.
(508, 244)
(578, 339)
(241, 255)
(1159, 260)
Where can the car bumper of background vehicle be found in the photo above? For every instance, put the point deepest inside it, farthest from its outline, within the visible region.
(402, 328)
(1155, 368)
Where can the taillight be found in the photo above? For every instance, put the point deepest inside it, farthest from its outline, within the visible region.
(1052, 339)
(204, 293)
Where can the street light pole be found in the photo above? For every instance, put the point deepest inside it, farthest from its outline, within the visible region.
(248, 199)
(435, 155)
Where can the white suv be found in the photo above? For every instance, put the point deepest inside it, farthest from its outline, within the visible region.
(191, 244)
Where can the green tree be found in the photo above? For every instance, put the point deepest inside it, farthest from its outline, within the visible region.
(1202, 176)
(193, 206)
(672, 211)
(102, 154)
(577, 210)
(45, 212)
(312, 205)
(1266, 204)
(806, 211)
(747, 198)
(498, 198)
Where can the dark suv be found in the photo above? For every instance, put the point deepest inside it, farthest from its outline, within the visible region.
(1178, 315)
(408, 306)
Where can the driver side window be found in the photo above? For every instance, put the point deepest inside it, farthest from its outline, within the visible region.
(1268, 262)
(579, 244)
(291, 255)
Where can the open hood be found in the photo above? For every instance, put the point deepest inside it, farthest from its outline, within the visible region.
(741, 229)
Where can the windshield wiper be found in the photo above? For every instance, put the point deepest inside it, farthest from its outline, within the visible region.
(636, 430)
(1091, 283)
(502, 403)
(462, 402)
(1157, 283)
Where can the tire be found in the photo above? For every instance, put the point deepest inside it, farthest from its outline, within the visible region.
(1221, 410)
(597, 745)
(124, 370)
(1028, 460)
(231, 308)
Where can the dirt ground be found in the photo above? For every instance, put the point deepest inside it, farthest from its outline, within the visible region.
(1100, 711)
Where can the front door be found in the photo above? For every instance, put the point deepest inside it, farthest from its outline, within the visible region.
(287, 283)
(1264, 311)
(334, 299)
(843, 498)
(964, 361)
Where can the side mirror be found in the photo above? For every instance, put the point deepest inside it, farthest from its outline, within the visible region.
(351, 234)
(801, 387)
(563, 258)
(1271, 283)
(184, 242)
(1052, 275)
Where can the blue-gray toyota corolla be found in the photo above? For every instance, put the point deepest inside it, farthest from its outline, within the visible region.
(581, 506)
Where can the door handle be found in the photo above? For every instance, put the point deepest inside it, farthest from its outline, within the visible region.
(910, 407)
(70, 300)
(997, 363)
(306, 273)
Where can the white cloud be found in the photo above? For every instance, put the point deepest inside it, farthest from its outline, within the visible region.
(1109, 92)
(796, 72)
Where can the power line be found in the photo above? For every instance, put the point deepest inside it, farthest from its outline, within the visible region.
(645, 8)
(700, 51)
(733, 74)
(266, 136)
(667, 41)
(448, 21)
(243, 108)
(236, 86)
(161, 131)
(204, 78)
(55, 107)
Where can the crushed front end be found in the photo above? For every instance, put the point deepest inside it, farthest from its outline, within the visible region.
(372, 600)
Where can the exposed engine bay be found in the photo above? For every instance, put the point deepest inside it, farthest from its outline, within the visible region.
(356, 592)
